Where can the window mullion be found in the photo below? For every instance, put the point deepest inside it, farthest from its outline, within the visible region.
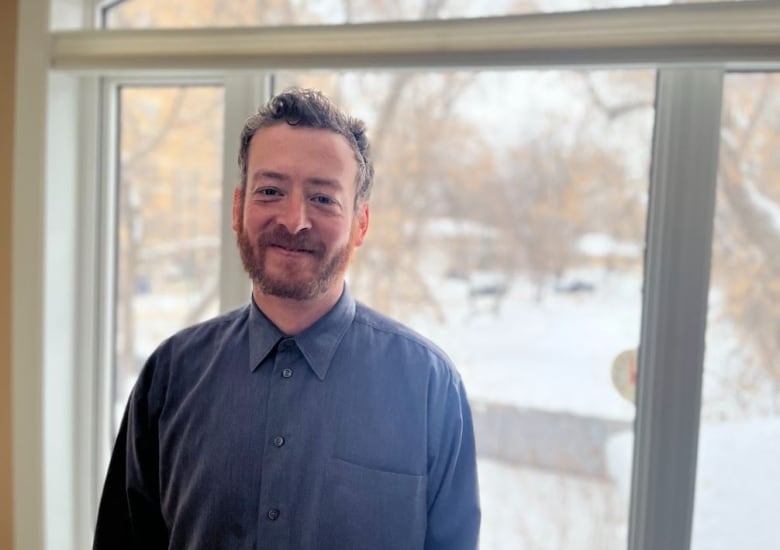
(679, 242)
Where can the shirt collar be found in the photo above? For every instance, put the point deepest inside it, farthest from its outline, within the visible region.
(263, 336)
(318, 343)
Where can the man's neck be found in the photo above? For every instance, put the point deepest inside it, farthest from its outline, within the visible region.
(294, 316)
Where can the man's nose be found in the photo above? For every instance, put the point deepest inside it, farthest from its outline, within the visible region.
(294, 215)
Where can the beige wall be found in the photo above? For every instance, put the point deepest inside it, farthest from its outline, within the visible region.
(8, 21)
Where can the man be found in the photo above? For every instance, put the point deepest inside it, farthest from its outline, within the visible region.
(303, 420)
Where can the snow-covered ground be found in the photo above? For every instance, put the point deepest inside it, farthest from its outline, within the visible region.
(527, 509)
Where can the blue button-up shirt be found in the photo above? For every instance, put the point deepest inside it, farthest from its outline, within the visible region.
(354, 434)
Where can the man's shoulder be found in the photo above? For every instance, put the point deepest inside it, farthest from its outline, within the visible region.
(384, 327)
(213, 329)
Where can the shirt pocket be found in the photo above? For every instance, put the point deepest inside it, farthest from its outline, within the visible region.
(367, 509)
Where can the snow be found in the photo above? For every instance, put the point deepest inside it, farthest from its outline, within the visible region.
(767, 206)
(453, 228)
(527, 509)
(600, 245)
(738, 478)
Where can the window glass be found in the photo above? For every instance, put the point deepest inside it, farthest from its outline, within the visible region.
(222, 13)
(507, 224)
(738, 475)
(169, 204)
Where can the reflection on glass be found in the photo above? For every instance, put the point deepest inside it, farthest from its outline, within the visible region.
(507, 224)
(170, 171)
(233, 13)
(738, 480)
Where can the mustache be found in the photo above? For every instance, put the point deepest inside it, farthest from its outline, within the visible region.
(279, 236)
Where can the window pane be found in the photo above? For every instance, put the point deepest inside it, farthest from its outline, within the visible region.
(170, 192)
(507, 224)
(738, 481)
(229, 13)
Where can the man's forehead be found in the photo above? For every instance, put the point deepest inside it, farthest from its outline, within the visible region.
(281, 142)
(282, 130)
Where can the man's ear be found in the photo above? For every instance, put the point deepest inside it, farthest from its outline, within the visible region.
(238, 207)
(361, 223)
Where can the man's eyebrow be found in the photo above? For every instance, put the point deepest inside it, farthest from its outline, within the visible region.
(278, 176)
(324, 182)
(269, 175)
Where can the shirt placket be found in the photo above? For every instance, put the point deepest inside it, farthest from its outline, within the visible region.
(275, 506)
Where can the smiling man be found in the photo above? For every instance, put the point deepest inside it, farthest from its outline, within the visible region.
(304, 420)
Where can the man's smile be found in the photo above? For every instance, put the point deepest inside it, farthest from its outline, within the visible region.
(291, 250)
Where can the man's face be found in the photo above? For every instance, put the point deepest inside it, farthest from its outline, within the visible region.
(297, 224)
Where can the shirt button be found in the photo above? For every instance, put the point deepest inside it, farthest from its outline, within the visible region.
(286, 373)
(278, 441)
(272, 514)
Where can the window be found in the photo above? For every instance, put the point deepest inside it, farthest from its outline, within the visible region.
(168, 223)
(595, 240)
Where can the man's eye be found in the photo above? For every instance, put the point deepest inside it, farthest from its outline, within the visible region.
(267, 192)
(323, 199)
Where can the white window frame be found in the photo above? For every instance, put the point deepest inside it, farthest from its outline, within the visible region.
(681, 212)
(61, 229)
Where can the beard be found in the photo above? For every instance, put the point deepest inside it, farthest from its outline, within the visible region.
(292, 282)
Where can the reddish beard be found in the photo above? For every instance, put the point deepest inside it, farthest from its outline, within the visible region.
(293, 284)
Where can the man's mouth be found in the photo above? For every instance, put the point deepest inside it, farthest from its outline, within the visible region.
(292, 249)
(285, 243)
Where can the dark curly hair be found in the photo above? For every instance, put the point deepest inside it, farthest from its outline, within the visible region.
(311, 109)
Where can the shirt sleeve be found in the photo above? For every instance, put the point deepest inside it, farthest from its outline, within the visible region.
(453, 508)
(129, 515)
